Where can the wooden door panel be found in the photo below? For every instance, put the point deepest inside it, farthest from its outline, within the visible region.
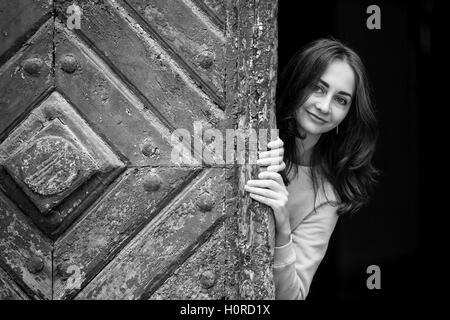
(206, 275)
(111, 109)
(91, 204)
(191, 34)
(26, 252)
(131, 203)
(9, 290)
(26, 78)
(165, 242)
(58, 163)
(215, 9)
(20, 19)
(146, 67)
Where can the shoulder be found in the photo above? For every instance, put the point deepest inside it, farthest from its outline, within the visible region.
(326, 194)
(305, 202)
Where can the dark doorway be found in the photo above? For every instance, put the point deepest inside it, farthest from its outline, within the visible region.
(387, 232)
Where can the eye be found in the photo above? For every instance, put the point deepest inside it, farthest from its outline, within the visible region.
(341, 101)
(319, 89)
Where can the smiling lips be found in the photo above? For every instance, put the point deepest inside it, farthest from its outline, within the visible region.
(317, 117)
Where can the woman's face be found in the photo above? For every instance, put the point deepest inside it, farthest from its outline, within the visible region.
(330, 100)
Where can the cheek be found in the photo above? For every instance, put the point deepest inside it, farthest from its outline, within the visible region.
(305, 106)
(309, 102)
(339, 114)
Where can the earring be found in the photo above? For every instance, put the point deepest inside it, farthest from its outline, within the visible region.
(337, 129)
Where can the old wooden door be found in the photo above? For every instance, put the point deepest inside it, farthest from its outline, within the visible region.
(91, 205)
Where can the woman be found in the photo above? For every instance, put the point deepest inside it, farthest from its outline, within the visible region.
(329, 132)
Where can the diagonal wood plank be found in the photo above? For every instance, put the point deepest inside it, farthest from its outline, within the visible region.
(191, 35)
(163, 243)
(217, 6)
(145, 66)
(19, 20)
(204, 275)
(25, 253)
(114, 112)
(26, 77)
(9, 289)
(113, 221)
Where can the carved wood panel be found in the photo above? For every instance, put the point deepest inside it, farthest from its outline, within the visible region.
(92, 205)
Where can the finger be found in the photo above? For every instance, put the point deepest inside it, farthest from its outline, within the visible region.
(271, 175)
(271, 153)
(267, 183)
(262, 199)
(275, 144)
(262, 192)
(277, 168)
(269, 161)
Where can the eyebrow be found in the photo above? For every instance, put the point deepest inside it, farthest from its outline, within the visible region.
(340, 92)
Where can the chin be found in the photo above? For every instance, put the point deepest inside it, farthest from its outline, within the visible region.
(312, 128)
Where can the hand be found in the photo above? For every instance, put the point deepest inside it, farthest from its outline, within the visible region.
(273, 158)
(270, 188)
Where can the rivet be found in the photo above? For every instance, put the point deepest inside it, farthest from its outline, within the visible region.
(69, 63)
(35, 264)
(33, 66)
(152, 182)
(61, 269)
(206, 59)
(207, 279)
(205, 202)
(149, 150)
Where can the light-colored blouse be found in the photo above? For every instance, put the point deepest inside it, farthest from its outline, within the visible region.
(296, 262)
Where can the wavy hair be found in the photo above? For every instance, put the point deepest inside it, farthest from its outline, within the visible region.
(343, 159)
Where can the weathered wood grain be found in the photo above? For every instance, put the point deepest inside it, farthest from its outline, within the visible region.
(251, 81)
(218, 6)
(19, 19)
(123, 211)
(203, 275)
(25, 78)
(167, 241)
(8, 289)
(194, 39)
(25, 253)
(114, 112)
(95, 168)
(145, 66)
(135, 72)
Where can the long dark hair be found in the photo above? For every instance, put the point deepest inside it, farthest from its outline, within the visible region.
(344, 158)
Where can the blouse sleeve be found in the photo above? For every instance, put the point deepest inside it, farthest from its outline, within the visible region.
(296, 262)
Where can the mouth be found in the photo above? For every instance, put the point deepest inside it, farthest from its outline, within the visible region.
(316, 117)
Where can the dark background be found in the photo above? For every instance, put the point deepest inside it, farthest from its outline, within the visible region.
(389, 231)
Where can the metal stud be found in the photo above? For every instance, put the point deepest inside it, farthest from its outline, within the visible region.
(207, 279)
(69, 63)
(205, 202)
(152, 182)
(33, 66)
(206, 59)
(149, 150)
(61, 269)
(35, 264)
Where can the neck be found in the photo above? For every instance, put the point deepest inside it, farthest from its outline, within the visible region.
(306, 147)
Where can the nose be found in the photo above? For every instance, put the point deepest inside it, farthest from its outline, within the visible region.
(324, 104)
